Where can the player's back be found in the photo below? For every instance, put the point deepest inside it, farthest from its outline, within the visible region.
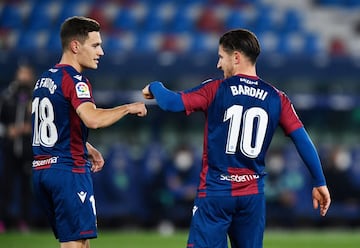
(241, 120)
(59, 135)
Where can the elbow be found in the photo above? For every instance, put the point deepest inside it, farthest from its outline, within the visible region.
(92, 124)
(165, 108)
(171, 106)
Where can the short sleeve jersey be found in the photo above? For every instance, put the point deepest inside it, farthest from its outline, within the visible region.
(242, 114)
(59, 135)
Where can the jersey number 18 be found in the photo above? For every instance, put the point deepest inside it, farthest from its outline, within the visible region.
(45, 131)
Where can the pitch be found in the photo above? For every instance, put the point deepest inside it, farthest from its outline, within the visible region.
(152, 239)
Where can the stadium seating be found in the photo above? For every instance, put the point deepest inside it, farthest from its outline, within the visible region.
(197, 18)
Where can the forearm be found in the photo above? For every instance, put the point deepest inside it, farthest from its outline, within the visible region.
(309, 155)
(94, 117)
(99, 118)
(107, 117)
(167, 100)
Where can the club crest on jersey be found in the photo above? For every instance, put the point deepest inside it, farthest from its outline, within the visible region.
(82, 90)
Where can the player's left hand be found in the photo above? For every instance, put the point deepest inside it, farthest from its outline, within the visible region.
(97, 163)
(95, 157)
(146, 92)
(321, 198)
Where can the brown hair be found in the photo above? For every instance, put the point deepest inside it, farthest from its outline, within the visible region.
(241, 40)
(77, 27)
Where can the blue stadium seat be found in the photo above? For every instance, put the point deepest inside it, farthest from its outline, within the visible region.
(290, 44)
(116, 43)
(53, 44)
(30, 40)
(236, 19)
(11, 17)
(41, 16)
(154, 20)
(125, 20)
(203, 42)
(264, 20)
(182, 20)
(292, 21)
(312, 44)
(148, 42)
(73, 8)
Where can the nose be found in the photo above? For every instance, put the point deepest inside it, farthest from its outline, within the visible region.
(218, 65)
(101, 51)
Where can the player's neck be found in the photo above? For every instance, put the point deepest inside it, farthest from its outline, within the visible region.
(249, 71)
(70, 60)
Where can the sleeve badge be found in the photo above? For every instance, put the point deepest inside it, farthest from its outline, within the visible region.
(82, 90)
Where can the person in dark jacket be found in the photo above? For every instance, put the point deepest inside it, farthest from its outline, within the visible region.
(15, 123)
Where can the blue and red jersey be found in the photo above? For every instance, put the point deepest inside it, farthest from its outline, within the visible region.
(59, 135)
(242, 114)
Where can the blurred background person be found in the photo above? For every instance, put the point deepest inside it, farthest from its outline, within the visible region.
(15, 118)
(342, 182)
(181, 179)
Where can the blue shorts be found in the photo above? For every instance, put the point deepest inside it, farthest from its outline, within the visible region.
(240, 218)
(68, 199)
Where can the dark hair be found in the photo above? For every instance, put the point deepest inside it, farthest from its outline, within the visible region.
(241, 40)
(77, 27)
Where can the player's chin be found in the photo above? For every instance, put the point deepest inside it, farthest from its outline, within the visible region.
(93, 66)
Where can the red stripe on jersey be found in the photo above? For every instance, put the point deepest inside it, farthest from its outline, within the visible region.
(77, 144)
(201, 98)
(289, 120)
(243, 181)
(205, 164)
(79, 170)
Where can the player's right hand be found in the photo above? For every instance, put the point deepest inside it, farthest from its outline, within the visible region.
(146, 92)
(137, 108)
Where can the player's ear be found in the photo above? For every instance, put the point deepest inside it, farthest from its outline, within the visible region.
(237, 56)
(74, 46)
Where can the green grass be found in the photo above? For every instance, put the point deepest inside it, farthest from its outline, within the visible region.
(141, 239)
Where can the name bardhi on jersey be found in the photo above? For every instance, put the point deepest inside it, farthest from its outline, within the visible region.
(248, 91)
(46, 83)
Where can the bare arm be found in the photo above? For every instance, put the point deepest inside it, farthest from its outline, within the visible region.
(94, 117)
(95, 157)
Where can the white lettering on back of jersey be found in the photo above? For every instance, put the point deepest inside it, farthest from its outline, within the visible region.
(247, 81)
(248, 91)
(46, 83)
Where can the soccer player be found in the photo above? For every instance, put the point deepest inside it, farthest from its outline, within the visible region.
(63, 111)
(242, 112)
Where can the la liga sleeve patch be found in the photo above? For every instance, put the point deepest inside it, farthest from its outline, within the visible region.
(82, 90)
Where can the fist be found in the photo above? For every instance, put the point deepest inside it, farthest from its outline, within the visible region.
(146, 93)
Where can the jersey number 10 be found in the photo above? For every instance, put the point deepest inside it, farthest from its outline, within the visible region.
(254, 124)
